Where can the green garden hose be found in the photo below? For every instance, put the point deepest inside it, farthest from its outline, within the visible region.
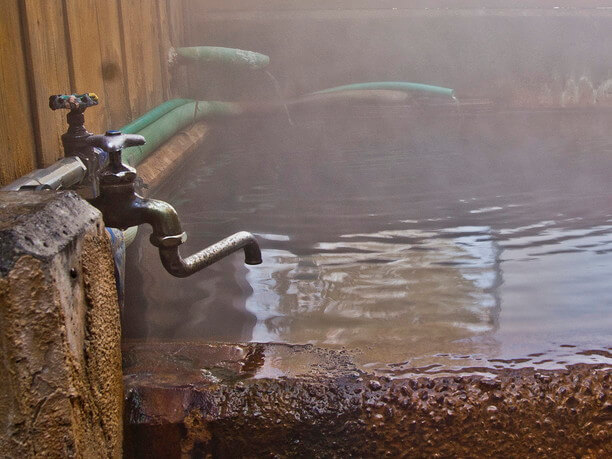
(394, 86)
(153, 115)
(160, 130)
(227, 56)
(165, 120)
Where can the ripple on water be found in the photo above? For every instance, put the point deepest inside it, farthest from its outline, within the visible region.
(485, 248)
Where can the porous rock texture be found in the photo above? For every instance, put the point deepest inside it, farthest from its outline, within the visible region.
(271, 400)
(60, 362)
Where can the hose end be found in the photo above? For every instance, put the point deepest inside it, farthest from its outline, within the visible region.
(252, 255)
(252, 262)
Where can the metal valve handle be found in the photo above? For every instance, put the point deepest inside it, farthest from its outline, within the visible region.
(116, 173)
(114, 141)
(73, 102)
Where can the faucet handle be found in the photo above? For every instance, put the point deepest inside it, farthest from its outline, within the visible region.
(116, 173)
(114, 141)
(73, 102)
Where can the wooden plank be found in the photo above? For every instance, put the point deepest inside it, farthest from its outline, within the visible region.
(175, 13)
(165, 44)
(139, 19)
(176, 28)
(17, 146)
(194, 19)
(116, 98)
(97, 61)
(47, 58)
(86, 59)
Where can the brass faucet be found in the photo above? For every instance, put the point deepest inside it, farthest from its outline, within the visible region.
(122, 207)
(109, 185)
(75, 139)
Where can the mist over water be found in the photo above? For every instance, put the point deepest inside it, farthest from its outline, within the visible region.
(417, 242)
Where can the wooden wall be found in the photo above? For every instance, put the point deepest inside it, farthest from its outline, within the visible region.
(115, 48)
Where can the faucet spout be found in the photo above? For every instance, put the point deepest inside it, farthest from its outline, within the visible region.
(178, 266)
(122, 207)
(168, 234)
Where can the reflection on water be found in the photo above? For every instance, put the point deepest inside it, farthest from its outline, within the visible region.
(369, 288)
(418, 244)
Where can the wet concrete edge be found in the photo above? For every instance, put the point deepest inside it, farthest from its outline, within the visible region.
(217, 399)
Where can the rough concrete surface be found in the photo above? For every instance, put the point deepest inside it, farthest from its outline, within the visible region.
(167, 158)
(255, 400)
(60, 377)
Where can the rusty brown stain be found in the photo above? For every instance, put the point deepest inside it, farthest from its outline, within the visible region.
(35, 418)
(60, 368)
(103, 337)
(198, 434)
(341, 412)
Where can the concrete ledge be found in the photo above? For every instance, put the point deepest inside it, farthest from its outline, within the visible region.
(255, 400)
(171, 155)
(60, 365)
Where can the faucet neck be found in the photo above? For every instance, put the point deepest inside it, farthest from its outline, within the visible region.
(75, 138)
(116, 173)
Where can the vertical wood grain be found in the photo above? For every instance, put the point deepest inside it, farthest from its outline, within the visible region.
(86, 59)
(192, 19)
(49, 73)
(115, 48)
(139, 19)
(17, 146)
(164, 43)
(116, 98)
(175, 10)
(176, 21)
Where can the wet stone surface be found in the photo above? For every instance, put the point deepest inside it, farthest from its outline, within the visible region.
(189, 399)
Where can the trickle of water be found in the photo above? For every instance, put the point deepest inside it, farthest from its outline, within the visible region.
(279, 94)
(456, 103)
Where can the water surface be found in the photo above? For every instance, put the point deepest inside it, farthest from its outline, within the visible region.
(417, 242)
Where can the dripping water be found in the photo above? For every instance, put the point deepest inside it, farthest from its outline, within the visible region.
(279, 94)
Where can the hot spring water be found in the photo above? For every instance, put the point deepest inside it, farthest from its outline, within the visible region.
(418, 243)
